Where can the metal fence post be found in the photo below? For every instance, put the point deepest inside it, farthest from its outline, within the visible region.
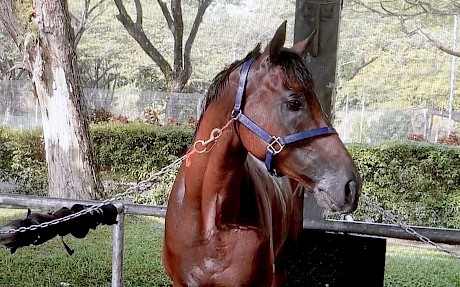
(117, 250)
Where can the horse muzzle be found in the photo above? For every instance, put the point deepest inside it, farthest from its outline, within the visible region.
(339, 197)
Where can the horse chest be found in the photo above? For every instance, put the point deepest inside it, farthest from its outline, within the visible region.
(237, 256)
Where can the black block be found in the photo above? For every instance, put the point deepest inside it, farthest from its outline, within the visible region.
(337, 260)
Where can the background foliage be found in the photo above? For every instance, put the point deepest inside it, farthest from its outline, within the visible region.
(418, 181)
(227, 33)
(379, 65)
(407, 71)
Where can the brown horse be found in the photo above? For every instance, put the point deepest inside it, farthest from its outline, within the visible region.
(230, 220)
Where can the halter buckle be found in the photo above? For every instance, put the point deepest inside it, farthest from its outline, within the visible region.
(272, 145)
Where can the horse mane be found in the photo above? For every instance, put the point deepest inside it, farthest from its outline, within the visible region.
(220, 80)
(292, 63)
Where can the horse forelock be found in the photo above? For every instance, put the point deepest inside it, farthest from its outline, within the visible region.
(220, 80)
(295, 69)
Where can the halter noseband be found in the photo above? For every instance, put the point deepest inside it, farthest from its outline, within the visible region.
(275, 144)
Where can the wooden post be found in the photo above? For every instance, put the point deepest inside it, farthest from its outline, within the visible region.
(324, 16)
(321, 253)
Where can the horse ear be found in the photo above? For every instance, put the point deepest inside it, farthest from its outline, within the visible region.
(277, 43)
(300, 48)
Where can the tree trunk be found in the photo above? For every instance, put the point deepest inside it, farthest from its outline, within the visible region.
(53, 62)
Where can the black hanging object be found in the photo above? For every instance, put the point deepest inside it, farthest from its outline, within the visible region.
(69, 250)
(78, 226)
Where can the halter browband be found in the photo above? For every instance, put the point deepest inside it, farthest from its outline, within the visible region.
(275, 144)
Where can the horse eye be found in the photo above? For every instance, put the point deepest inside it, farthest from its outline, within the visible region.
(294, 105)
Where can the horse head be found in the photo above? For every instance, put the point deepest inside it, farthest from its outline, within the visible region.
(281, 122)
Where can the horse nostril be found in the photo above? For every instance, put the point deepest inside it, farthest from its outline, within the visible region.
(350, 189)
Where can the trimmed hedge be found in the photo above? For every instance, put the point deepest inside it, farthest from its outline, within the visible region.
(132, 151)
(22, 160)
(420, 182)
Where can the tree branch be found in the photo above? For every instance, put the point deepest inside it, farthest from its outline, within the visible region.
(176, 11)
(416, 8)
(360, 67)
(17, 33)
(167, 15)
(137, 32)
(399, 14)
(83, 22)
(78, 31)
(428, 8)
(91, 10)
(413, 8)
(368, 7)
(139, 13)
(106, 81)
(11, 23)
(101, 80)
(432, 41)
(438, 45)
(204, 4)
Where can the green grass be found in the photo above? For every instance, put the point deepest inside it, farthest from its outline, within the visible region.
(419, 267)
(90, 265)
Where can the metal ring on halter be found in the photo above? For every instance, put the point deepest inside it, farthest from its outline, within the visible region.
(235, 114)
(271, 146)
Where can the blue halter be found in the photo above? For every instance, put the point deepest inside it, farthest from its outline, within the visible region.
(275, 144)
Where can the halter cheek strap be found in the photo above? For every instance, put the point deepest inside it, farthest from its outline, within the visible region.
(275, 144)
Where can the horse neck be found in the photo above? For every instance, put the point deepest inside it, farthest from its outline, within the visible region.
(213, 179)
